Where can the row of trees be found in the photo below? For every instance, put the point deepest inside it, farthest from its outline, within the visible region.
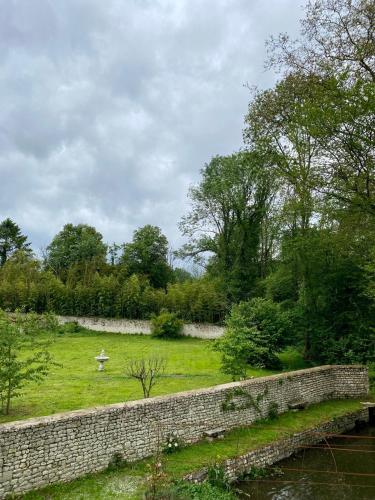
(78, 278)
(78, 253)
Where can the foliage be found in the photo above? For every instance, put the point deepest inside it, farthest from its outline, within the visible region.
(166, 325)
(185, 490)
(217, 478)
(325, 294)
(26, 286)
(11, 240)
(76, 252)
(24, 354)
(228, 208)
(336, 36)
(256, 473)
(180, 275)
(146, 371)
(317, 125)
(172, 444)
(255, 331)
(71, 327)
(156, 480)
(117, 462)
(247, 400)
(200, 300)
(147, 255)
(273, 410)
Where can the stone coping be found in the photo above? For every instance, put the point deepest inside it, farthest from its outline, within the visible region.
(115, 407)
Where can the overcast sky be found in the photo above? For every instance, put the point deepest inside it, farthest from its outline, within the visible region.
(110, 108)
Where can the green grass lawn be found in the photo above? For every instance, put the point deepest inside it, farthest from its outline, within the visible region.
(128, 482)
(191, 364)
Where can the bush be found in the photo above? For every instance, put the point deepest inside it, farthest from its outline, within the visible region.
(71, 327)
(166, 325)
(173, 444)
(255, 332)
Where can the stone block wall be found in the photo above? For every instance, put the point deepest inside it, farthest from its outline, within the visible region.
(272, 453)
(46, 450)
(136, 326)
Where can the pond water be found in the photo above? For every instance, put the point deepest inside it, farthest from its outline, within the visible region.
(342, 469)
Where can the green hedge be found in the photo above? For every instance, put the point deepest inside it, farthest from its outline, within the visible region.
(107, 296)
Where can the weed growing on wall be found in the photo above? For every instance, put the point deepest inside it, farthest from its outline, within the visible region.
(248, 401)
(273, 410)
(217, 477)
(117, 462)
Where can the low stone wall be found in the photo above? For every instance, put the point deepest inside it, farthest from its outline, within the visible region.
(134, 326)
(46, 450)
(284, 448)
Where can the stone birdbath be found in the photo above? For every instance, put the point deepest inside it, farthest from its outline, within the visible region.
(102, 358)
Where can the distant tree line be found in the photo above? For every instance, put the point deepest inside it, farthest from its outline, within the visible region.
(80, 275)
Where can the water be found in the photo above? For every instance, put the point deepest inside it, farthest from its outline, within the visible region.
(343, 471)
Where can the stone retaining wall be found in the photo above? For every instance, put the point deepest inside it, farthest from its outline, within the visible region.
(46, 450)
(134, 326)
(271, 454)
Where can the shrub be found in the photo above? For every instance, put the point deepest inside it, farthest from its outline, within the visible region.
(166, 325)
(71, 327)
(255, 331)
(173, 444)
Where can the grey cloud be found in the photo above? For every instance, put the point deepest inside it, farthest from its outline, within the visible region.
(110, 109)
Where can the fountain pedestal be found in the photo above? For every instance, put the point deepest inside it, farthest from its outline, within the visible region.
(102, 358)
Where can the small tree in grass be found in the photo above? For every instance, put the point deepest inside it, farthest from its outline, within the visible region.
(146, 371)
(24, 355)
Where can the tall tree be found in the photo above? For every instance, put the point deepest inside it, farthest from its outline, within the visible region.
(318, 124)
(11, 239)
(79, 247)
(228, 207)
(147, 254)
(336, 36)
(341, 118)
(277, 124)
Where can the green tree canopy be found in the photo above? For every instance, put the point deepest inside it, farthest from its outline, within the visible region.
(80, 246)
(228, 209)
(11, 239)
(147, 254)
(336, 36)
